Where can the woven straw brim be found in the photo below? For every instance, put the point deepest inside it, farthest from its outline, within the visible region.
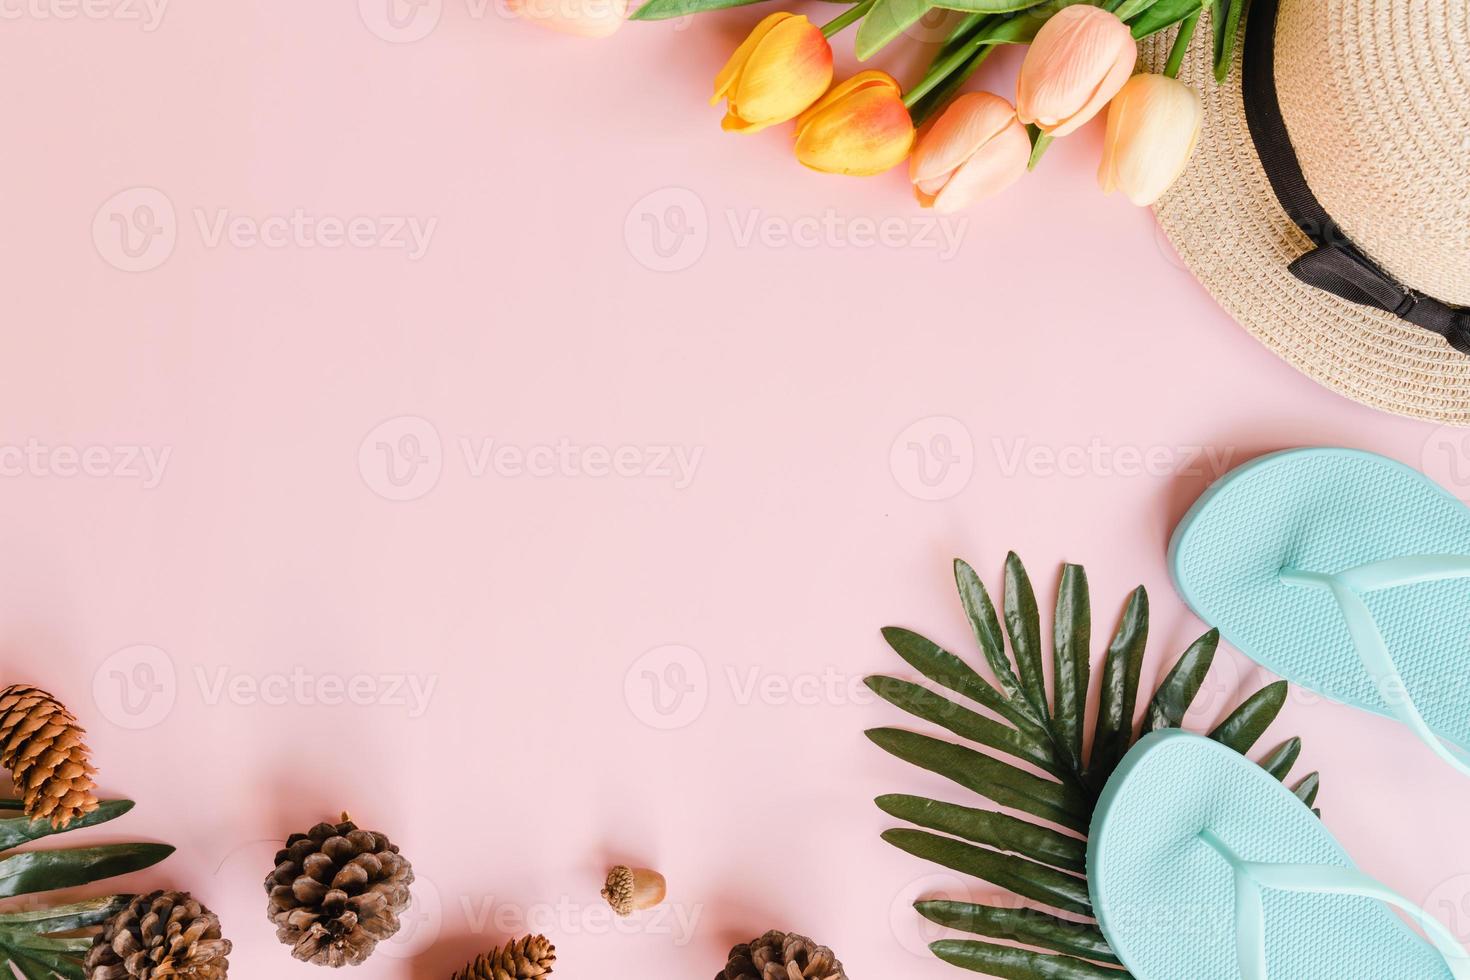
(1228, 228)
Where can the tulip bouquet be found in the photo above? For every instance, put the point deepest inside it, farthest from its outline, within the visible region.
(965, 147)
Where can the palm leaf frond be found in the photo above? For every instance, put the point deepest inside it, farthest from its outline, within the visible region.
(1023, 749)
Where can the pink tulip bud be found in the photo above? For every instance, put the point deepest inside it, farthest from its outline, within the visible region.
(976, 149)
(1153, 127)
(584, 18)
(1079, 60)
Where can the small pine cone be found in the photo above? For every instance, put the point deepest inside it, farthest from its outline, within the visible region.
(780, 956)
(160, 936)
(42, 746)
(337, 892)
(524, 959)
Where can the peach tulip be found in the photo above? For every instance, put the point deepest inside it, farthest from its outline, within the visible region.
(1153, 128)
(976, 149)
(859, 128)
(584, 18)
(777, 72)
(1080, 59)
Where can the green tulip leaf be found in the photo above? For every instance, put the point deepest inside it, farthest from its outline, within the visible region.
(665, 9)
(885, 21)
(1163, 15)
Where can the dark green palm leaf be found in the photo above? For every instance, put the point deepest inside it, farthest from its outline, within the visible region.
(1022, 853)
(1027, 926)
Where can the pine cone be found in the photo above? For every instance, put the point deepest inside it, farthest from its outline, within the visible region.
(41, 744)
(523, 959)
(337, 892)
(781, 956)
(159, 936)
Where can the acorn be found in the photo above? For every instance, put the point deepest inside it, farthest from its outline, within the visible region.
(630, 890)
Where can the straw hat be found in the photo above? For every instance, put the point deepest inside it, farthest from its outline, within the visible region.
(1375, 96)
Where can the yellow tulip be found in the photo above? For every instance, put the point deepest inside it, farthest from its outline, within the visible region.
(976, 149)
(1153, 128)
(860, 128)
(1080, 59)
(778, 71)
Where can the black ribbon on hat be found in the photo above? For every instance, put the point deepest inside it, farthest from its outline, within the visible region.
(1336, 265)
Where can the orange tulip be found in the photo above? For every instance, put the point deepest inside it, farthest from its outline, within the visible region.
(781, 68)
(860, 128)
(1153, 128)
(976, 149)
(1079, 60)
(584, 18)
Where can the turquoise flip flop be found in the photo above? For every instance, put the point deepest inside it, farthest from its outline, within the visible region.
(1202, 865)
(1346, 573)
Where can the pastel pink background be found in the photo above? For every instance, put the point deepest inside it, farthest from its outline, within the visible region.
(532, 603)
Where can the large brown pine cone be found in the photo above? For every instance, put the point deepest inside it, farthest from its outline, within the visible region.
(159, 936)
(781, 956)
(337, 892)
(41, 744)
(524, 959)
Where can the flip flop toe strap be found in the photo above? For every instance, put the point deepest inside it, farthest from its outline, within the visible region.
(1253, 877)
(1348, 588)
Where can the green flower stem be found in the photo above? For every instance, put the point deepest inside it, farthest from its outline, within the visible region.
(847, 18)
(966, 58)
(1181, 45)
(1040, 143)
